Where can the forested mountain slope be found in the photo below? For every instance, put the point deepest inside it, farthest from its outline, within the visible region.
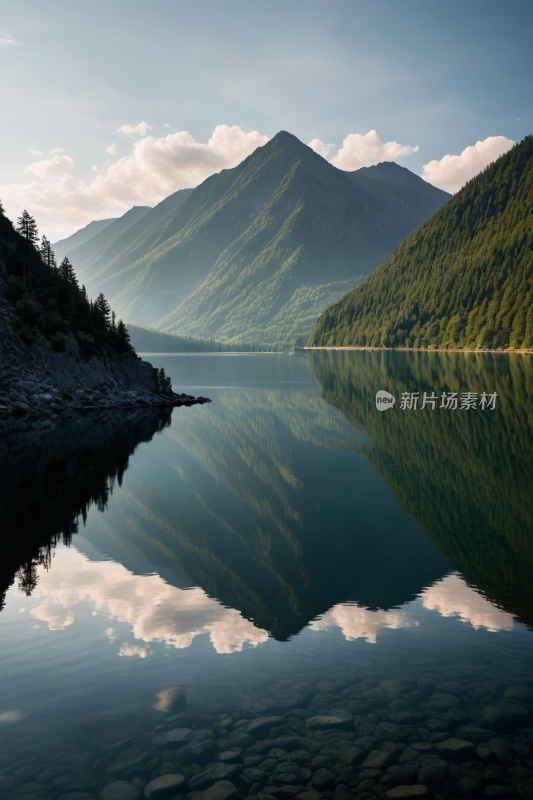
(463, 280)
(258, 251)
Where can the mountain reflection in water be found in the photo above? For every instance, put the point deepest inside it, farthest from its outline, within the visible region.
(267, 501)
(287, 552)
(465, 477)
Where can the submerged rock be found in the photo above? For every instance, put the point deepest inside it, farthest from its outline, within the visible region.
(165, 787)
(120, 790)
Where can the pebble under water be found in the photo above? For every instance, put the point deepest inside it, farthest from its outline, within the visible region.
(283, 594)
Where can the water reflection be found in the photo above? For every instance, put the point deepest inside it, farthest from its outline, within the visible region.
(464, 477)
(233, 528)
(49, 479)
(272, 502)
(152, 609)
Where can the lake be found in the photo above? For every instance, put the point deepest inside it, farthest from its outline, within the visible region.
(338, 597)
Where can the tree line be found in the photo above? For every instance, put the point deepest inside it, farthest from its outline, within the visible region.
(48, 298)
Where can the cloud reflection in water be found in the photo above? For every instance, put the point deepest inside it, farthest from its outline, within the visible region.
(159, 612)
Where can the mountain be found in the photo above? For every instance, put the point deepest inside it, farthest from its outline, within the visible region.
(81, 255)
(123, 249)
(64, 246)
(258, 251)
(463, 280)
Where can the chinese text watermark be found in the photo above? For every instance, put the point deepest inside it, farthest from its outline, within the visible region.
(449, 401)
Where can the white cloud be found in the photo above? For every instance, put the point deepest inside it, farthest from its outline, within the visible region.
(319, 147)
(54, 614)
(129, 130)
(56, 151)
(360, 623)
(155, 168)
(154, 610)
(363, 151)
(57, 167)
(34, 152)
(133, 650)
(452, 597)
(94, 168)
(452, 172)
(7, 40)
(166, 125)
(112, 150)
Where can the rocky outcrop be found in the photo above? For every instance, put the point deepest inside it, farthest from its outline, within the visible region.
(32, 380)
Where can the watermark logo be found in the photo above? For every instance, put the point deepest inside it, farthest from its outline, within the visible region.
(384, 400)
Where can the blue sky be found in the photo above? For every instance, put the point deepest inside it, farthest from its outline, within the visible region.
(429, 75)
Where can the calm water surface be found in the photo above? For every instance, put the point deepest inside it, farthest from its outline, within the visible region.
(286, 551)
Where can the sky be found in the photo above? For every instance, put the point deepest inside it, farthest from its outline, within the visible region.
(106, 105)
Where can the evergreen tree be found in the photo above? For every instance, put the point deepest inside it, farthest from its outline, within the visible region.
(66, 272)
(102, 310)
(2, 211)
(47, 254)
(27, 227)
(124, 338)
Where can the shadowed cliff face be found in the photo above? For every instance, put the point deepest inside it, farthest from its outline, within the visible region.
(464, 476)
(49, 480)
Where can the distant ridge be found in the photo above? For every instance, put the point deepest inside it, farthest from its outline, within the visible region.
(80, 237)
(124, 248)
(81, 255)
(463, 280)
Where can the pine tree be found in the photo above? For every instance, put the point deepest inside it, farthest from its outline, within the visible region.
(2, 211)
(27, 227)
(102, 310)
(47, 254)
(124, 338)
(66, 271)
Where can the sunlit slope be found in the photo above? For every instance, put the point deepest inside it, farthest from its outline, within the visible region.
(63, 246)
(81, 255)
(463, 476)
(129, 245)
(463, 280)
(258, 251)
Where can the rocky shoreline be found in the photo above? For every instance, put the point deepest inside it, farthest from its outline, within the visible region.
(35, 382)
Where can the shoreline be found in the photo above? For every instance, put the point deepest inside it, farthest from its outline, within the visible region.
(425, 350)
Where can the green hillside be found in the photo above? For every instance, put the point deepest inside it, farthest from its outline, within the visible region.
(257, 252)
(47, 301)
(463, 280)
